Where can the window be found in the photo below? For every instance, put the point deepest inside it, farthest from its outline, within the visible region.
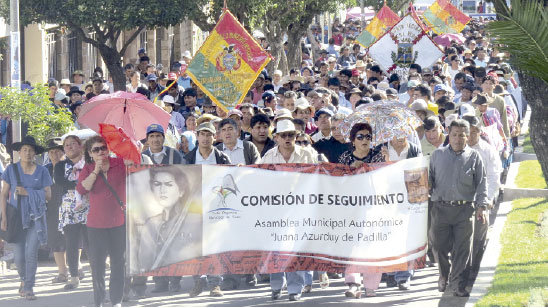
(51, 54)
(74, 53)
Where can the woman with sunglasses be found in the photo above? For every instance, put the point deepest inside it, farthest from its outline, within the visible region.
(360, 136)
(362, 152)
(106, 219)
(304, 141)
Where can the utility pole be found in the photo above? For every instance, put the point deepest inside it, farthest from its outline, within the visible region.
(15, 65)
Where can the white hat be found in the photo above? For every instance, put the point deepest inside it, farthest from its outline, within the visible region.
(467, 109)
(420, 105)
(282, 113)
(285, 126)
(383, 86)
(278, 72)
(450, 118)
(168, 99)
(65, 81)
(187, 54)
(302, 103)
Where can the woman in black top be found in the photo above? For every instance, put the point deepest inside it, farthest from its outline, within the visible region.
(362, 152)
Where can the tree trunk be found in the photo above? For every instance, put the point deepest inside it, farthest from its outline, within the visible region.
(113, 60)
(535, 92)
(315, 45)
(274, 36)
(295, 52)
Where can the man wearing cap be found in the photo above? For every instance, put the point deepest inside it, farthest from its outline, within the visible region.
(493, 169)
(391, 94)
(98, 86)
(208, 106)
(336, 145)
(206, 154)
(237, 116)
(270, 100)
(287, 152)
(466, 93)
(239, 151)
(407, 97)
(440, 90)
(458, 188)
(177, 121)
(322, 119)
(158, 153)
(153, 86)
(260, 129)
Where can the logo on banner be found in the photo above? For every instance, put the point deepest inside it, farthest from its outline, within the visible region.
(228, 189)
(404, 57)
(228, 60)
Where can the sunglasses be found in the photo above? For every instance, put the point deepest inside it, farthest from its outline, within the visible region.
(362, 136)
(303, 143)
(287, 135)
(98, 149)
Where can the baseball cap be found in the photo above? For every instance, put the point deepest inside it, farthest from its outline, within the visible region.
(151, 77)
(391, 91)
(322, 111)
(268, 95)
(207, 126)
(413, 83)
(440, 87)
(155, 128)
(235, 112)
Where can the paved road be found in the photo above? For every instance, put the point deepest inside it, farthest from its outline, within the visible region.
(423, 293)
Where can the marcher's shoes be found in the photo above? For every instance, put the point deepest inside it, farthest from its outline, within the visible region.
(294, 297)
(324, 281)
(404, 285)
(197, 289)
(276, 294)
(175, 287)
(81, 274)
(461, 293)
(391, 281)
(251, 280)
(353, 291)
(160, 288)
(72, 284)
(307, 289)
(216, 292)
(442, 284)
(334, 275)
(370, 293)
(61, 278)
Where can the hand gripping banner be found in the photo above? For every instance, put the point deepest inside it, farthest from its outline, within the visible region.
(189, 220)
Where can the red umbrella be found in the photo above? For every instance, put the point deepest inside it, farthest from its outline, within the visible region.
(131, 111)
(447, 38)
(119, 143)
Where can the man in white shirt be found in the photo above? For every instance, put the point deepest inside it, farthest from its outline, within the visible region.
(287, 152)
(493, 169)
(239, 151)
(322, 120)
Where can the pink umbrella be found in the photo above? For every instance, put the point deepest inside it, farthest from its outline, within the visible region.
(447, 38)
(133, 112)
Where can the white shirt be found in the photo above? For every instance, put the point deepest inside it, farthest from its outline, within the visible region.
(210, 160)
(158, 157)
(404, 98)
(493, 166)
(237, 154)
(131, 89)
(393, 154)
(299, 155)
(319, 136)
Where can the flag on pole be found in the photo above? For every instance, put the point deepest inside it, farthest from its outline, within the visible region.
(378, 26)
(228, 62)
(443, 17)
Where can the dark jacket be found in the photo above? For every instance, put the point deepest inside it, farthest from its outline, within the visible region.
(413, 151)
(269, 144)
(172, 157)
(332, 148)
(251, 154)
(220, 157)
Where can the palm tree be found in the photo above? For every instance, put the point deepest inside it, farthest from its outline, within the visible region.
(522, 30)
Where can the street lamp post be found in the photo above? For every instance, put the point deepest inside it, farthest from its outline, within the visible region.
(15, 63)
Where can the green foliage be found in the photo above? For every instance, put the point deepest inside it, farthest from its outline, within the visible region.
(34, 107)
(523, 32)
(523, 262)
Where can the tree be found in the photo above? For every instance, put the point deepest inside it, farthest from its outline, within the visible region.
(522, 30)
(107, 19)
(33, 107)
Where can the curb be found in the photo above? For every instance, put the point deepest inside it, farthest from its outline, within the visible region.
(490, 257)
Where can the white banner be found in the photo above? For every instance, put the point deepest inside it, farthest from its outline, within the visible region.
(372, 219)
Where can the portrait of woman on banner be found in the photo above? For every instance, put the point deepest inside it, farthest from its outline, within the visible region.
(169, 232)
